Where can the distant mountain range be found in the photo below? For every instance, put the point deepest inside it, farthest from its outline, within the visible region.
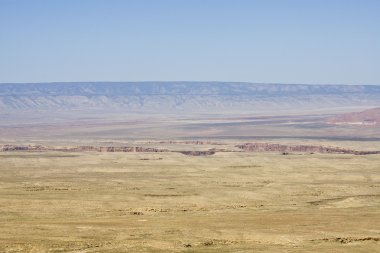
(202, 97)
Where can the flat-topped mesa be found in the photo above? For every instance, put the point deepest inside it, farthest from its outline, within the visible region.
(268, 147)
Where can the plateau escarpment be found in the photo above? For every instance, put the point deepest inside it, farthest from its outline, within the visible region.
(183, 96)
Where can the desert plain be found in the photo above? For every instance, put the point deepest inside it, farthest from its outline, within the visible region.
(170, 202)
(180, 183)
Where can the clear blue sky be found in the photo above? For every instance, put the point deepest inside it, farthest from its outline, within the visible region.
(286, 41)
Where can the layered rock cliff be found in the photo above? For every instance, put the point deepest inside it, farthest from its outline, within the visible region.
(268, 147)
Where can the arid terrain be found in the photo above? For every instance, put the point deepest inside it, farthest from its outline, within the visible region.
(246, 178)
(170, 202)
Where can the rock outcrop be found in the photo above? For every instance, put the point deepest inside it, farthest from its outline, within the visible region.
(247, 147)
(198, 153)
(269, 147)
(39, 148)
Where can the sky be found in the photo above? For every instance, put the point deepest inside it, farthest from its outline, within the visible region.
(261, 41)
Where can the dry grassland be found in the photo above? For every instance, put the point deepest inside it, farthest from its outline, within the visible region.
(229, 202)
